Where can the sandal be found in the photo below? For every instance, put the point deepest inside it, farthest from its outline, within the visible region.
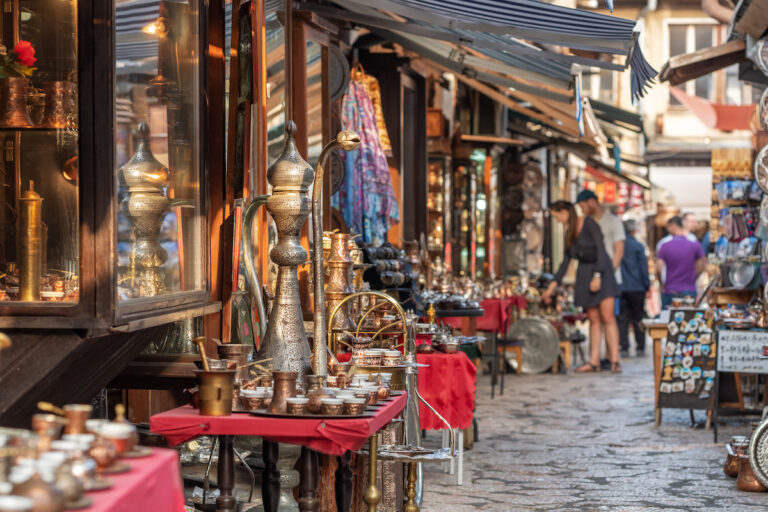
(587, 368)
(616, 367)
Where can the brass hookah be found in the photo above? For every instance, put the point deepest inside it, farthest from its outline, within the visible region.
(283, 337)
(145, 177)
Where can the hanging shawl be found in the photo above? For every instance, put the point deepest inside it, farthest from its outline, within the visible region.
(367, 199)
(372, 88)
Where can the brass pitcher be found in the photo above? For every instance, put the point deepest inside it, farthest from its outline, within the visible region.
(216, 391)
(13, 103)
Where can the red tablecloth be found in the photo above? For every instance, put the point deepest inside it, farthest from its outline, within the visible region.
(333, 437)
(448, 384)
(153, 484)
(496, 317)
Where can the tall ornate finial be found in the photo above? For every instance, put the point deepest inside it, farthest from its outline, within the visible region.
(145, 177)
(290, 176)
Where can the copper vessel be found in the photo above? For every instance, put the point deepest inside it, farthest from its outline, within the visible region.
(145, 178)
(285, 340)
(60, 105)
(103, 452)
(48, 427)
(747, 481)
(30, 245)
(46, 497)
(731, 465)
(315, 393)
(13, 103)
(338, 287)
(77, 415)
(239, 354)
(216, 390)
(284, 386)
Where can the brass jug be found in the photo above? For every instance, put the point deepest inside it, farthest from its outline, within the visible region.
(283, 386)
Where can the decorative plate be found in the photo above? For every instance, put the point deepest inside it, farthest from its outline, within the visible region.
(541, 344)
(761, 169)
(338, 171)
(758, 452)
(761, 56)
(762, 109)
(339, 75)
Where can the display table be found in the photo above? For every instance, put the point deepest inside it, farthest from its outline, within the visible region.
(448, 384)
(657, 331)
(495, 316)
(153, 483)
(330, 436)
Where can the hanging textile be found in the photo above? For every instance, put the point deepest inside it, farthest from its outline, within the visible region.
(372, 88)
(366, 199)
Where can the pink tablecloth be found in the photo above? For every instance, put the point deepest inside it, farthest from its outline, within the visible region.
(153, 484)
(331, 436)
(496, 317)
(448, 384)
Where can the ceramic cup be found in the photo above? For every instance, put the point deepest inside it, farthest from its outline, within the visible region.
(331, 406)
(93, 426)
(252, 399)
(297, 405)
(355, 406)
(15, 504)
(332, 382)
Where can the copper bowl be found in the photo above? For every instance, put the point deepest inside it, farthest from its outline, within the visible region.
(297, 405)
(340, 368)
(355, 406)
(332, 406)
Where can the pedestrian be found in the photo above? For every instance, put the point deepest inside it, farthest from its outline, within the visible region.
(610, 225)
(635, 283)
(681, 260)
(596, 289)
(688, 224)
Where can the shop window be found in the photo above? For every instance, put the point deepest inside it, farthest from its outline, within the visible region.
(687, 38)
(157, 150)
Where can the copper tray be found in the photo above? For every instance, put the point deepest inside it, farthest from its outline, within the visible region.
(263, 412)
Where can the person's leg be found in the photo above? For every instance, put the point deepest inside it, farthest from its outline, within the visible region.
(608, 319)
(624, 320)
(637, 314)
(595, 336)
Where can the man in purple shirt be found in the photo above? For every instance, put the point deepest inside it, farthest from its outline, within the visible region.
(683, 260)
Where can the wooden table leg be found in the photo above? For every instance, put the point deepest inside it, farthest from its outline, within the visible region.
(270, 476)
(372, 494)
(225, 472)
(310, 468)
(344, 483)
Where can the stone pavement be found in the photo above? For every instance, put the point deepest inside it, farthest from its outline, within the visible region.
(580, 442)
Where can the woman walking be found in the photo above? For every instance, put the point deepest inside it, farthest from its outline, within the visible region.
(596, 289)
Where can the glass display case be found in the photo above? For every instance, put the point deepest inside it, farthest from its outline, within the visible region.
(103, 183)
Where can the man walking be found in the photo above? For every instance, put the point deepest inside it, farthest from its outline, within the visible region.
(635, 284)
(683, 260)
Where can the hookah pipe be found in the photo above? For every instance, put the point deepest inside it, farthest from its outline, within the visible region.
(348, 141)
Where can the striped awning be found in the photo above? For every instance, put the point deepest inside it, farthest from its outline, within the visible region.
(500, 25)
(130, 18)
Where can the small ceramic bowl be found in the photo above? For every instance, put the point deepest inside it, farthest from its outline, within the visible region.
(297, 405)
(16, 504)
(252, 399)
(355, 406)
(94, 426)
(345, 393)
(82, 439)
(331, 406)
(332, 382)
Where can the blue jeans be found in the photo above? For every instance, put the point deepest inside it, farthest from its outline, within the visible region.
(666, 298)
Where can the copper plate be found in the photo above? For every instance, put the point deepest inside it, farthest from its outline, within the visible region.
(263, 412)
(116, 468)
(83, 502)
(99, 484)
(758, 452)
(137, 452)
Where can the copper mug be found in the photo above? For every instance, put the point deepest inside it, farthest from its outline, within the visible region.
(747, 481)
(60, 105)
(119, 434)
(77, 415)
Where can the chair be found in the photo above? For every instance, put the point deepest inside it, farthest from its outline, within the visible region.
(565, 355)
(499, 348)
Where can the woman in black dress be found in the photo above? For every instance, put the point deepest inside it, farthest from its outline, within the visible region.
(596, 288)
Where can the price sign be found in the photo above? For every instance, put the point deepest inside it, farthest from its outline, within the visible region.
(740, 351)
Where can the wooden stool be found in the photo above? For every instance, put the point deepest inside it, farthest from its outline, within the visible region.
(565, 353)
(502, 345)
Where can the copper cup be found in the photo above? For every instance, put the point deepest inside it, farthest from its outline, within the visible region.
(77, 415)
(297, 406)
(332, 406)
(119, 434)
(747, 481)
(355, 406)
(48, 427)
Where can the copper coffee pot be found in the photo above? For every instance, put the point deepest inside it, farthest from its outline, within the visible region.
(747, 481)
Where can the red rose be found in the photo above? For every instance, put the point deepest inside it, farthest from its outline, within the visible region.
(24, 53)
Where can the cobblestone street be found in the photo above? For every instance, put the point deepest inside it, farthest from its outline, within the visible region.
(588, 443)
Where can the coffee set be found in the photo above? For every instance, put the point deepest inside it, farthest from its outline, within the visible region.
(65, 454)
